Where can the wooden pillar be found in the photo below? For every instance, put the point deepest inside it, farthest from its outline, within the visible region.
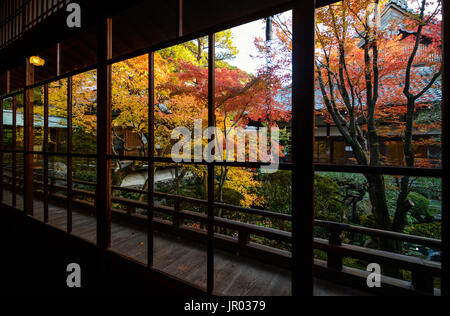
(103, 196)
(58, 59)
(1, 152)
(8, 81)
(303, 147)
(445, 277)
(179, 23)
(69, 156)
(14, 155)
(211, 122)
(334, 260)
(46, 153)
(151, 151)
(28, 139)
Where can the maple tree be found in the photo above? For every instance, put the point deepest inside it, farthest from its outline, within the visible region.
(240, 97)
(84, 103)
(374, 82)
(181, 96)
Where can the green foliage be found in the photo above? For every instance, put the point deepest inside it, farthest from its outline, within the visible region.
(285, 142)
(430, 230)
(319, 254)
(420, 209)
(84, 174)
(276, 189)
(431, 188)
(368, 220)
(347, 178)
(392, 191)
(83, 141)
(327, 203)
(196, 51)
(430, 114)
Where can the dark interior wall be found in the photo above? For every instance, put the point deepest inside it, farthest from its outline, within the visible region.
(34, 258)
(137, 24)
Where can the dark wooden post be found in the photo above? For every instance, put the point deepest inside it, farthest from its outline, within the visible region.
(58, 59)
(1, 152)
(179, 23)
(46, 153)
(103, 194)
(243, 238)
(151, 164)
(28, 139)
(210, 209)
(14, 154)
(445, 277)
(176, 217)
(69, 155)
(131, 209)
(334, 260)
(8, 82)
(303, 147)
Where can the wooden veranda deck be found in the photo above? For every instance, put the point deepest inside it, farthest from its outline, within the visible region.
(186, 260)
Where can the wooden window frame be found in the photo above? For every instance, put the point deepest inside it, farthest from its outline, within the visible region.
(302, 166)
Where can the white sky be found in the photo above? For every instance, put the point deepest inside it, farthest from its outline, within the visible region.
(244, 36)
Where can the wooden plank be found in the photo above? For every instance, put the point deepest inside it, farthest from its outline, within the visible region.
(224, 270)
(168, 260)
(281, 285)
(192, 267)
(133, 246)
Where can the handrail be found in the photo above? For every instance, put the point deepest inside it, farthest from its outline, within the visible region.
(430, 242)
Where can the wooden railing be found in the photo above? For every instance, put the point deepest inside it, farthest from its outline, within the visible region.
(423, 271)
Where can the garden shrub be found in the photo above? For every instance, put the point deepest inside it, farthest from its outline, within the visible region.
(327, 205)
(430, 230)
(420, 209)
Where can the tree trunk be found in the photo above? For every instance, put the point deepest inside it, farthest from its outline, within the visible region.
(403, 205)
(380, 210)
(377, 195)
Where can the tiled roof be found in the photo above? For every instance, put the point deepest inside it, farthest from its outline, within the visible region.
(433, 95)
(53, 121)
(401, 3)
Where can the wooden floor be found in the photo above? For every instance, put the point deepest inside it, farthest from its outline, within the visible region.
(186, 260)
